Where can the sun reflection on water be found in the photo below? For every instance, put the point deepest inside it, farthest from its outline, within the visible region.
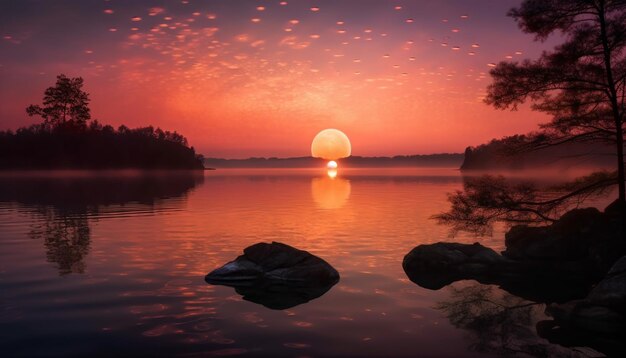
(330, 191)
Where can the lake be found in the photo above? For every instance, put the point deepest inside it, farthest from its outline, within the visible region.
(114, 262)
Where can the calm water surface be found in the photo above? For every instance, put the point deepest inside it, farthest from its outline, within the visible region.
(114, 263)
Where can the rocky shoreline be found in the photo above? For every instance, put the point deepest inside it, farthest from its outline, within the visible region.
(576, 266)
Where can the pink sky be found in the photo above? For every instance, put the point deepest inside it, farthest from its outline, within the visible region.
(257, 78)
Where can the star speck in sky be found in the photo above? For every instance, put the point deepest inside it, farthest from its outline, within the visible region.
(244, 78)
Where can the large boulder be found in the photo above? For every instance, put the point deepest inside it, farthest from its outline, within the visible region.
(599, 319)
(617, 209)
(276, 275)
(611, 291)
(568, 238)
(437, 265)
(573, 265)
(580, 235)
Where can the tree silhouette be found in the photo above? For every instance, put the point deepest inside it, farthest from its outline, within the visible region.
(489, 198)
(66, 141)
(63, 104)
(581, 83)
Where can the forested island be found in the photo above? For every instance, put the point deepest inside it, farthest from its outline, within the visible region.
(68, 138)
(533, 151)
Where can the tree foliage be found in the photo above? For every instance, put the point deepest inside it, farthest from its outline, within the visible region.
(66, 140)
(96, 147)
(487, 199)
(581, 83)
(63, 104)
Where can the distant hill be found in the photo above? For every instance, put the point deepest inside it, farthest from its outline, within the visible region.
(500, 154)
(430, 160)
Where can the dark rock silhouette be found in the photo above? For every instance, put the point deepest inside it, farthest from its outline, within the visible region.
(567, 239)
(611, 291)
(564, 264)
(599, 320)
(438, 265)
(554, 263)
(276, 275)
(579, 235)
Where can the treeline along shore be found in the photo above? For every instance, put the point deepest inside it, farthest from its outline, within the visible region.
(95, 147)
(68, 138)
(527, 152)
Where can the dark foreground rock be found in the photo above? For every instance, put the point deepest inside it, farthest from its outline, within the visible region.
(438, 265)
(555, 263)
(276, 275)
(576, 265)
(599, 320)
(580, 234)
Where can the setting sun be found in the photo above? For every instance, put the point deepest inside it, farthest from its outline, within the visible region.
(331, 144)
(315, 178)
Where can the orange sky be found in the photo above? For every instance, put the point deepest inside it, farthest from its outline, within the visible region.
(257, 78)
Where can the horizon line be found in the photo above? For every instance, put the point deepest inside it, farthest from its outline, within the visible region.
(352, 156)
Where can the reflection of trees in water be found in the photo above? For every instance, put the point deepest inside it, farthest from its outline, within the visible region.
(63, 206)
(497, 321)
(66, 238)
(489, 199)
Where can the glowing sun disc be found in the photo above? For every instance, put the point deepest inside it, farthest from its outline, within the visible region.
(331, 144)
(332, 165)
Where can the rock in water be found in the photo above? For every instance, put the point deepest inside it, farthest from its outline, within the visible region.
(598, 321)
(584, 235)
(611, 291)
(277, 263)
(437, 265)
(276, 275)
